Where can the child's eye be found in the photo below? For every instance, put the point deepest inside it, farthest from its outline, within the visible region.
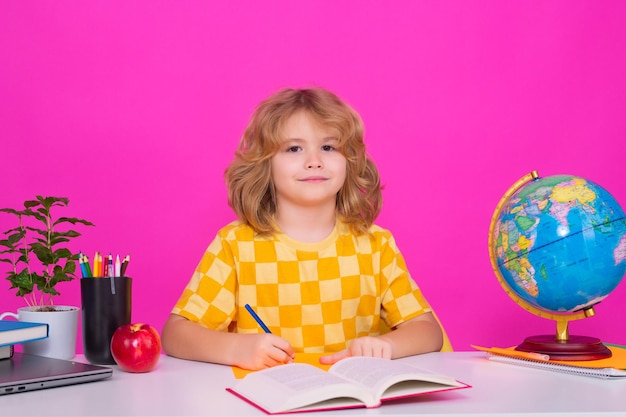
(293, 148)
(328, 148)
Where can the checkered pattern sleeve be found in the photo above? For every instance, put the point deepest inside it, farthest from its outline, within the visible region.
(401, 299)
(209, 297)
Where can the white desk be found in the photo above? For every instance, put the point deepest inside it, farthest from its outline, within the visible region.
(185, 388)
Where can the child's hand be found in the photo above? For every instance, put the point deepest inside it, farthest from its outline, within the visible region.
(363, 346)
(259, 351)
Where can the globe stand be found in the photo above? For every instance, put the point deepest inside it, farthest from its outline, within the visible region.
(563, 347)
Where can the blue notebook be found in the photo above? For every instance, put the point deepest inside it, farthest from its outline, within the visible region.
(13, 332)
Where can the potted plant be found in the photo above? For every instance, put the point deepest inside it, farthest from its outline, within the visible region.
(39, 260)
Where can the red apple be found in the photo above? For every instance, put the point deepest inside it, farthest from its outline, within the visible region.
(136, 347)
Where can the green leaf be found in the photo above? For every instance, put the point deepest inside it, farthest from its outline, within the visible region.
(70, 267)
(57, 241)
(38, 216)
(21, 280)
(18, 229)
(17, 236)
(40, 241)
(7, 244)
(68, 233)
(63, 278)
(50, 290)
(23, 291)
(59, 200)
(62, 253)
(49, 201)
(39, 281)
(44, 254)
(59, 276)
(42, 232)
(72, 220)
(11, 211)
(31, 203)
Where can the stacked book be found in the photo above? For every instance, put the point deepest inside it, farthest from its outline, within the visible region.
(18, 332)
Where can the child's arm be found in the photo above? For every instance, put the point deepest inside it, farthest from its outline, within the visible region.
(421, 334)
(188, 340)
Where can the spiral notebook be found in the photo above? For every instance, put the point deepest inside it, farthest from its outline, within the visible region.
(610, 368)
(25, 372)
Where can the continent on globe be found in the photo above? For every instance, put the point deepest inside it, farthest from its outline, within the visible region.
(620, 251)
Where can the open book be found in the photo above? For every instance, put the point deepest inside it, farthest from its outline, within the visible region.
(350, 383)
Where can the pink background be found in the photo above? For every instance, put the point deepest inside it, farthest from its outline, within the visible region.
(133, 110)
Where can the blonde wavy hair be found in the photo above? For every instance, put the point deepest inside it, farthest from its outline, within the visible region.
(249, 178)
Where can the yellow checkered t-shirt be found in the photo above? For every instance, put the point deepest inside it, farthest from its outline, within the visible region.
(318, 296)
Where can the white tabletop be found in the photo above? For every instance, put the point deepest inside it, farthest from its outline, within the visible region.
(185, 388)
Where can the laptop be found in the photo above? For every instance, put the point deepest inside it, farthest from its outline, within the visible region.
(24, 372)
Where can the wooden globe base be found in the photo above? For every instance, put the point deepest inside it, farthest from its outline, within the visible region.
(576, 348)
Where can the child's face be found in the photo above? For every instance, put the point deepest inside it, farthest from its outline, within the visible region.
(308, 169)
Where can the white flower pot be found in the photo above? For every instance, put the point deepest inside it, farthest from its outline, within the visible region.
(62, 329)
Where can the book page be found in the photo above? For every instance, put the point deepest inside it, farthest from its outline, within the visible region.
(388, 379)
(296, 385)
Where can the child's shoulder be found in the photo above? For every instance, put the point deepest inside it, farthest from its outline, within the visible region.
(240, 231)
(376, 229)
(236, 230)
(374, 233)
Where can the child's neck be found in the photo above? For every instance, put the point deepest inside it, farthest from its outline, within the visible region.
(306, 224)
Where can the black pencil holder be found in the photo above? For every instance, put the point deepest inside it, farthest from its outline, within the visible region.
(106, 305)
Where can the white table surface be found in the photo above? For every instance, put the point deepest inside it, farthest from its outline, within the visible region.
(186, 388)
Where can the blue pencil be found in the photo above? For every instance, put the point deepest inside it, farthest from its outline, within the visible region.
(257, 319)
(81, 263)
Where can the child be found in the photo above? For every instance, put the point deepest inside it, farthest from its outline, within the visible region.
(304, 254)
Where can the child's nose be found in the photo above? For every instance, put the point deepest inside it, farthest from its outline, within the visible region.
(314, 161)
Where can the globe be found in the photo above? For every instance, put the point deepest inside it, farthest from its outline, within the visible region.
(557, 245)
